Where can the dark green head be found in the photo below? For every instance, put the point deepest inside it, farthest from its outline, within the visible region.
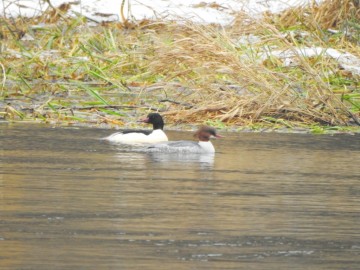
(155, 119)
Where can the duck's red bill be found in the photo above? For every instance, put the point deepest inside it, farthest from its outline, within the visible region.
(144, 120)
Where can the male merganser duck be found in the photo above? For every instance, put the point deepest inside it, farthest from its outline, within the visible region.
(157, 135)
(203, 146)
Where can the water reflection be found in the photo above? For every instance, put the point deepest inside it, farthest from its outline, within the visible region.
(205, 160)
(71, 201)
(137, 152)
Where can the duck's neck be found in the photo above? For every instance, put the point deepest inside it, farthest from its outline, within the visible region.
(158, 126)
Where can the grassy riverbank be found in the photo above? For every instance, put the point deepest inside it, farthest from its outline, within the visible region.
(255, 74)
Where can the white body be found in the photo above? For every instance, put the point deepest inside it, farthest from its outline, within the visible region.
(136, 137)
(183, 147)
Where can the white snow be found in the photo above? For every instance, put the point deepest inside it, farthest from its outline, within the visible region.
(346, 60)
(204, 11)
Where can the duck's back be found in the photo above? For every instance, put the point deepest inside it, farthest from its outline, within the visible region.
(137, 137)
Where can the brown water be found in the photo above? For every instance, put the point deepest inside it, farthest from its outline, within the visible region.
(265, 201)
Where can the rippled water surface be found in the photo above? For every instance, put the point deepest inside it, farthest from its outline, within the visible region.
(265, 201)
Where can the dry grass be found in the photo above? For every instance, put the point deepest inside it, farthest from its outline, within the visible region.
(327, 14)
(202, 72)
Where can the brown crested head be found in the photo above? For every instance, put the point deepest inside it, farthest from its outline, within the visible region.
(204, 133)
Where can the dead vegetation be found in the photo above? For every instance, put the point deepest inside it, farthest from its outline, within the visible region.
(188, 71)
(328, 14)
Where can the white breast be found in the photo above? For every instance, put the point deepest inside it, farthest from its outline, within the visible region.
(207, 147)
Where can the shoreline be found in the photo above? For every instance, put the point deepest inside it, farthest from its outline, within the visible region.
(260, 75)
(191, 127)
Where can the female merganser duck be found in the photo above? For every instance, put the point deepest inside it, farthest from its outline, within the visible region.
(203, 146)
(157, 135)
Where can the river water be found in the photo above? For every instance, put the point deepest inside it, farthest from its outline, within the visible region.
(265, 201)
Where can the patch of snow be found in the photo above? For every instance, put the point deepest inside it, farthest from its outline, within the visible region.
(27, 37)
(346, 60)
(202, 11)
(247, 40)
